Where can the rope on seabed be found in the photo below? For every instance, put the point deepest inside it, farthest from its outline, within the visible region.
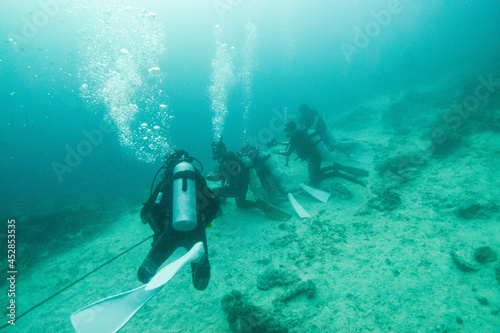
(80, 279)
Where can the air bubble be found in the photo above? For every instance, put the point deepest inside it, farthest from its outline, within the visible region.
(120, 70)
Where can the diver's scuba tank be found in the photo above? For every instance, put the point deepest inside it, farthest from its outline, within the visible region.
(247, 161)
(270, 165)
(318, 145)
(184, 197)
(256, 186)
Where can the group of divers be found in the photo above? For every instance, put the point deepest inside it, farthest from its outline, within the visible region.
(182, 206)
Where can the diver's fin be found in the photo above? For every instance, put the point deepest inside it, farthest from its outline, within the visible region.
(351, 170)
(110, 314)
(163, 276)
(318, 194)
(272, 212)
(336, 173)
(297, 207)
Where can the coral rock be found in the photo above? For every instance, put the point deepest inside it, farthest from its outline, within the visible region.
(306, 287)
(244, 317)
(462, 262)
(273, 277)
(485, 254)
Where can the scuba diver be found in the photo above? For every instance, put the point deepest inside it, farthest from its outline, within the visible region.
(310, 119)
(231, 173)
(235, 177)
(309, 146)
(178, 211)
(218, 150)
(270, 176)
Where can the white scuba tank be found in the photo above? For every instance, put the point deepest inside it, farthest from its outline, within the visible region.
(270, 165)
(319, 145)
(184, 197)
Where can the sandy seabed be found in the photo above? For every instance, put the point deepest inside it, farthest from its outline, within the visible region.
(397, 256)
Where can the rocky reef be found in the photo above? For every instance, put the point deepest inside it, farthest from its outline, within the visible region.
(245, 317)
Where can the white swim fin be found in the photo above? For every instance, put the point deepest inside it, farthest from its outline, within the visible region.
(112, 313)
(318, 194)
(297, 207)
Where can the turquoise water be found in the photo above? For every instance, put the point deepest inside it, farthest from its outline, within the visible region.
(93, 93)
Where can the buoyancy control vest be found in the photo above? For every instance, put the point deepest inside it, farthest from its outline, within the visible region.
(158, 210)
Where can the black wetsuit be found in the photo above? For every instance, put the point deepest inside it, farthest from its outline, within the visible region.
(301, 144)
(307, 121)
(166, 239)
(236, 175)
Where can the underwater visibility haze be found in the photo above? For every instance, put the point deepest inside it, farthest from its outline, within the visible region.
(206, 68)
(93, 94)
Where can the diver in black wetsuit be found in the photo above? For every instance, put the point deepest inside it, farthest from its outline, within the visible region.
(269, 174)
(234, 176)
(158, 213)
(311, 119)
(305, 150)
(300, 142)
(218, 150)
